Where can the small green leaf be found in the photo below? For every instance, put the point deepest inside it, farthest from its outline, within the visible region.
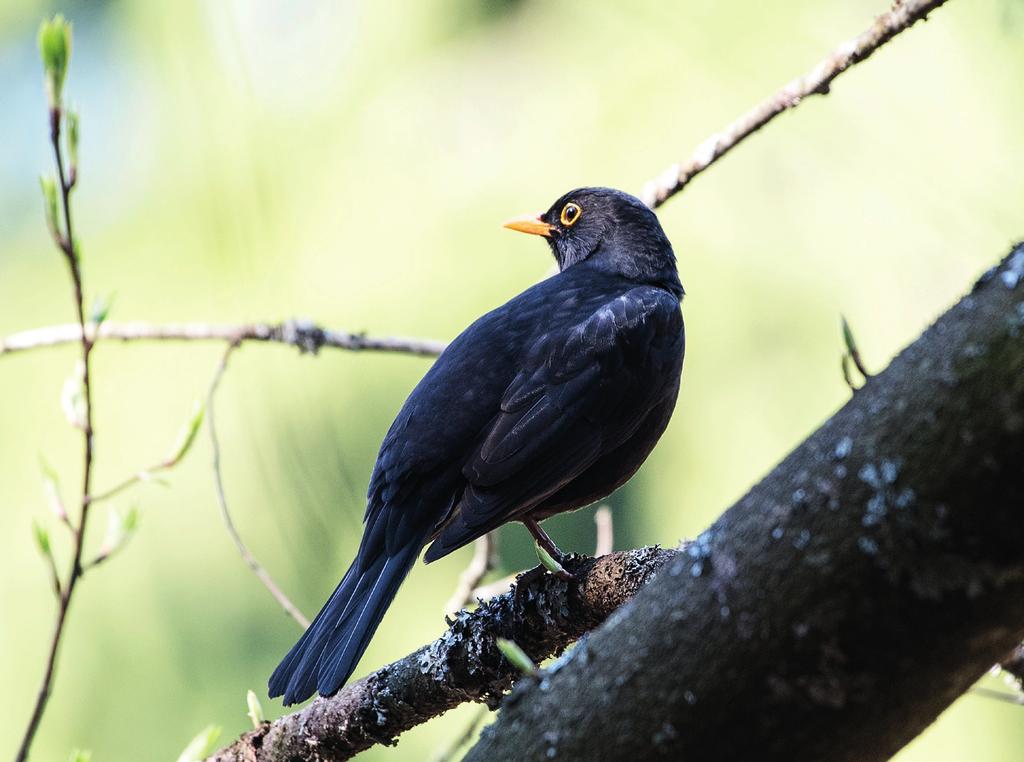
(255, 709)
(848, 340)
(80, 755)
(101, 308)
(49, 187)
(55, 50)
(42, 536)
(516, 656)
(548, 562)
(187, 435)
(852, 351)
(201, 746)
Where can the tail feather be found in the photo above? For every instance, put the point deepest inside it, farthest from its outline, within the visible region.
(327, 653)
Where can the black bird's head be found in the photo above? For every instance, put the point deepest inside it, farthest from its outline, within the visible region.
(609, 230)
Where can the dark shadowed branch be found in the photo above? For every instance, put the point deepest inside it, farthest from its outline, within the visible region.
(847, 600)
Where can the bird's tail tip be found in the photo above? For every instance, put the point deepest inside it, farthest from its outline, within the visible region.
(327, 653)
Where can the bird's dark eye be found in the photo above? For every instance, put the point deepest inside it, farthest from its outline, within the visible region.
(570, 214)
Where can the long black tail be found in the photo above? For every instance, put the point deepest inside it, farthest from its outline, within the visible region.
(328, 651)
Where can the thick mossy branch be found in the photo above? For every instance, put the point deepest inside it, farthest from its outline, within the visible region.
(849, 598)
(542, 614)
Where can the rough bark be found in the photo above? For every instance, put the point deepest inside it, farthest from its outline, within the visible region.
(543, 614)
(848, 599)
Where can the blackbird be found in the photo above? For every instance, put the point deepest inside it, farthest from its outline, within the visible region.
(543, 405)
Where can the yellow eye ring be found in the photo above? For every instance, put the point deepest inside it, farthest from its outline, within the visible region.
(571, 214)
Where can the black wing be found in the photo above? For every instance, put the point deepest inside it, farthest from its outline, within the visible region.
(581, 392)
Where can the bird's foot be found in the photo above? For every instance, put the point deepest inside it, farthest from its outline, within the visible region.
(552, 564)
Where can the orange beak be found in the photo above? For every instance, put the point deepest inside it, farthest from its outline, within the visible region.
(530, 223)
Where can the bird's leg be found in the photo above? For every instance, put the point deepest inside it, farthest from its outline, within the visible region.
(546, 544)
(543, 539)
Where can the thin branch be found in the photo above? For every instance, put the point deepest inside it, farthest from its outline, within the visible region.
(140, 476)
(306, 336)
(261, 573)
(484, 559)
(543, 615)
(66, 243)
(904, 14)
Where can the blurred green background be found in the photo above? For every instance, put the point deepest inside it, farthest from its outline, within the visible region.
(351, 163)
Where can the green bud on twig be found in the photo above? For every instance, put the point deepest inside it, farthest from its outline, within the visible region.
(55, 50)
(80, 755)
(516, 656)
(72, 396)
(49, 187)
(187, 435)
(255, 709)
(120, 528)
(42, 540)
(52, 485)
(72, 120)
(101, 308)
(201, 746)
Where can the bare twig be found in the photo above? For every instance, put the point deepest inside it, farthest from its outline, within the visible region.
(605, 531)
(303, 334)
(140, 476)
(484, 559)
(903, 15)
(261, 573)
